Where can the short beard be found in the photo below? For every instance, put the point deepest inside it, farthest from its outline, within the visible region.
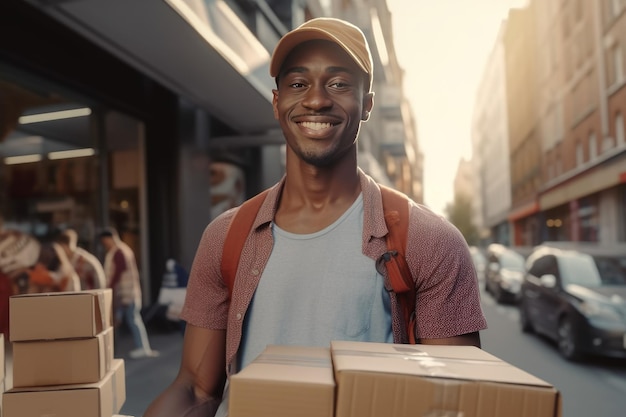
(319, 161)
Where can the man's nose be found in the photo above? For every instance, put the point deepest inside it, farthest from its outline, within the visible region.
(317, 98)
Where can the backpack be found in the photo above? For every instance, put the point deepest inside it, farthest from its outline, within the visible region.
(396, 208)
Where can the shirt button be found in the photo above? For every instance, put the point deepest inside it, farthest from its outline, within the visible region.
(255, 272)
(238, 316)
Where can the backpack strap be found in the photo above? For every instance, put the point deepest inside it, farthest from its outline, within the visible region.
(236, 235)
(396, 207)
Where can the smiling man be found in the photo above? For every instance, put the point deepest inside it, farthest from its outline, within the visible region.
(307, 274)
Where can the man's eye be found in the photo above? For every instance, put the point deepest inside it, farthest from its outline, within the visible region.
(297, 85)
(339, 84)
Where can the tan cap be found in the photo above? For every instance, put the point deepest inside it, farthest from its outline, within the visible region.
(343, 33)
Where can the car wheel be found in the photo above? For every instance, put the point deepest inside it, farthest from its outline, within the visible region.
(567, 340)
(526, 325)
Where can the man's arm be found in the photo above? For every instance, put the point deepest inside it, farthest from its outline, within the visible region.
(470, 339)
(197, 389)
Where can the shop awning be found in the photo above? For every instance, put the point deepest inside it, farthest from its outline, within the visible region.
(200, 50)
(606, 175)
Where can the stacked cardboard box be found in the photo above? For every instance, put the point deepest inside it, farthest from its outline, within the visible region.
(285, 381)
(63, 360)
(381, 379)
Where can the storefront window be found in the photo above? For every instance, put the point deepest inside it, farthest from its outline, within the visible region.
(63, 165)
(588, 219)
(48, 175)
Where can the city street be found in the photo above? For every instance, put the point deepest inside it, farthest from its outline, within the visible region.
(596, 387)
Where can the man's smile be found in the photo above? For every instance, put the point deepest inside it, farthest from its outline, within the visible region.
(316, 125)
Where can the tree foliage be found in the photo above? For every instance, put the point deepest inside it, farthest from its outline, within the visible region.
(459, 213)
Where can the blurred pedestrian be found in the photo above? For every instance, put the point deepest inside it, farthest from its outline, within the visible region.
(122, 275)
(87, 266)
(55, 266)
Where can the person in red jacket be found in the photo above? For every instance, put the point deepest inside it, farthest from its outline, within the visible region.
(122, 274)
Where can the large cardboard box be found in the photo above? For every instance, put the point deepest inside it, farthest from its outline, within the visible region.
(62, 361)
(379, 379)
(101, 399)
(284, 381)
(60, 315)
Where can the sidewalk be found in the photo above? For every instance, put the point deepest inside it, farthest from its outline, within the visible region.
(145, 378)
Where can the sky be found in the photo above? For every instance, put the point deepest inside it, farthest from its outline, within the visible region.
(443, 46)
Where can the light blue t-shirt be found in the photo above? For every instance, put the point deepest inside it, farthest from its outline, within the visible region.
(316, 288)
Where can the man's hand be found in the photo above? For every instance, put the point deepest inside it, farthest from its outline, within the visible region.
(197, 389)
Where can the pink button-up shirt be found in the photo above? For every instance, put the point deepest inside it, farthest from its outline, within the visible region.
(448, 299)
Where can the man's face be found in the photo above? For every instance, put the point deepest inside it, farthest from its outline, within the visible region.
(320, 102)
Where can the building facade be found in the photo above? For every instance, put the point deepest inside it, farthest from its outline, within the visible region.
(565, 104)
(490, 141)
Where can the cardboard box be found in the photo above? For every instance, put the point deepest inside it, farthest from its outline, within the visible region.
(101, 399)
(62, 361)
(284, 381)
(379, 379)
(60, 315)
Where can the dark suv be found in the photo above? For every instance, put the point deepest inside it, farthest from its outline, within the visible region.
(575, 294)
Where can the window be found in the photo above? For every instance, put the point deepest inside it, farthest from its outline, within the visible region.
(580, 154)
(618, 64)
(578, 268)
(593, 146)
(619, 129)
(612, 270)
(542, 266)
(607, 143)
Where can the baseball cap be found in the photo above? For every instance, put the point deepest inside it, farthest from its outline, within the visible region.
(349, 37)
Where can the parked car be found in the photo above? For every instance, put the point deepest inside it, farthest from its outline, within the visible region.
(480, 261)
(504, 273)
(576, 296)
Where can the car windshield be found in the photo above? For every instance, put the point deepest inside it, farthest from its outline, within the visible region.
(579, 269)
(512, 260)
(583, 269)
(612, 269)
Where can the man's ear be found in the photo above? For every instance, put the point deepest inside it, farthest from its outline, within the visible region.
(368, 104)
(275, 102)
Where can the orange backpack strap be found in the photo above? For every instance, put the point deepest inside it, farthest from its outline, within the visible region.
(236, 236)
(396, 207)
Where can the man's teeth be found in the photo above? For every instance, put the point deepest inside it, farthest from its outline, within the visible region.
(316, 125)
